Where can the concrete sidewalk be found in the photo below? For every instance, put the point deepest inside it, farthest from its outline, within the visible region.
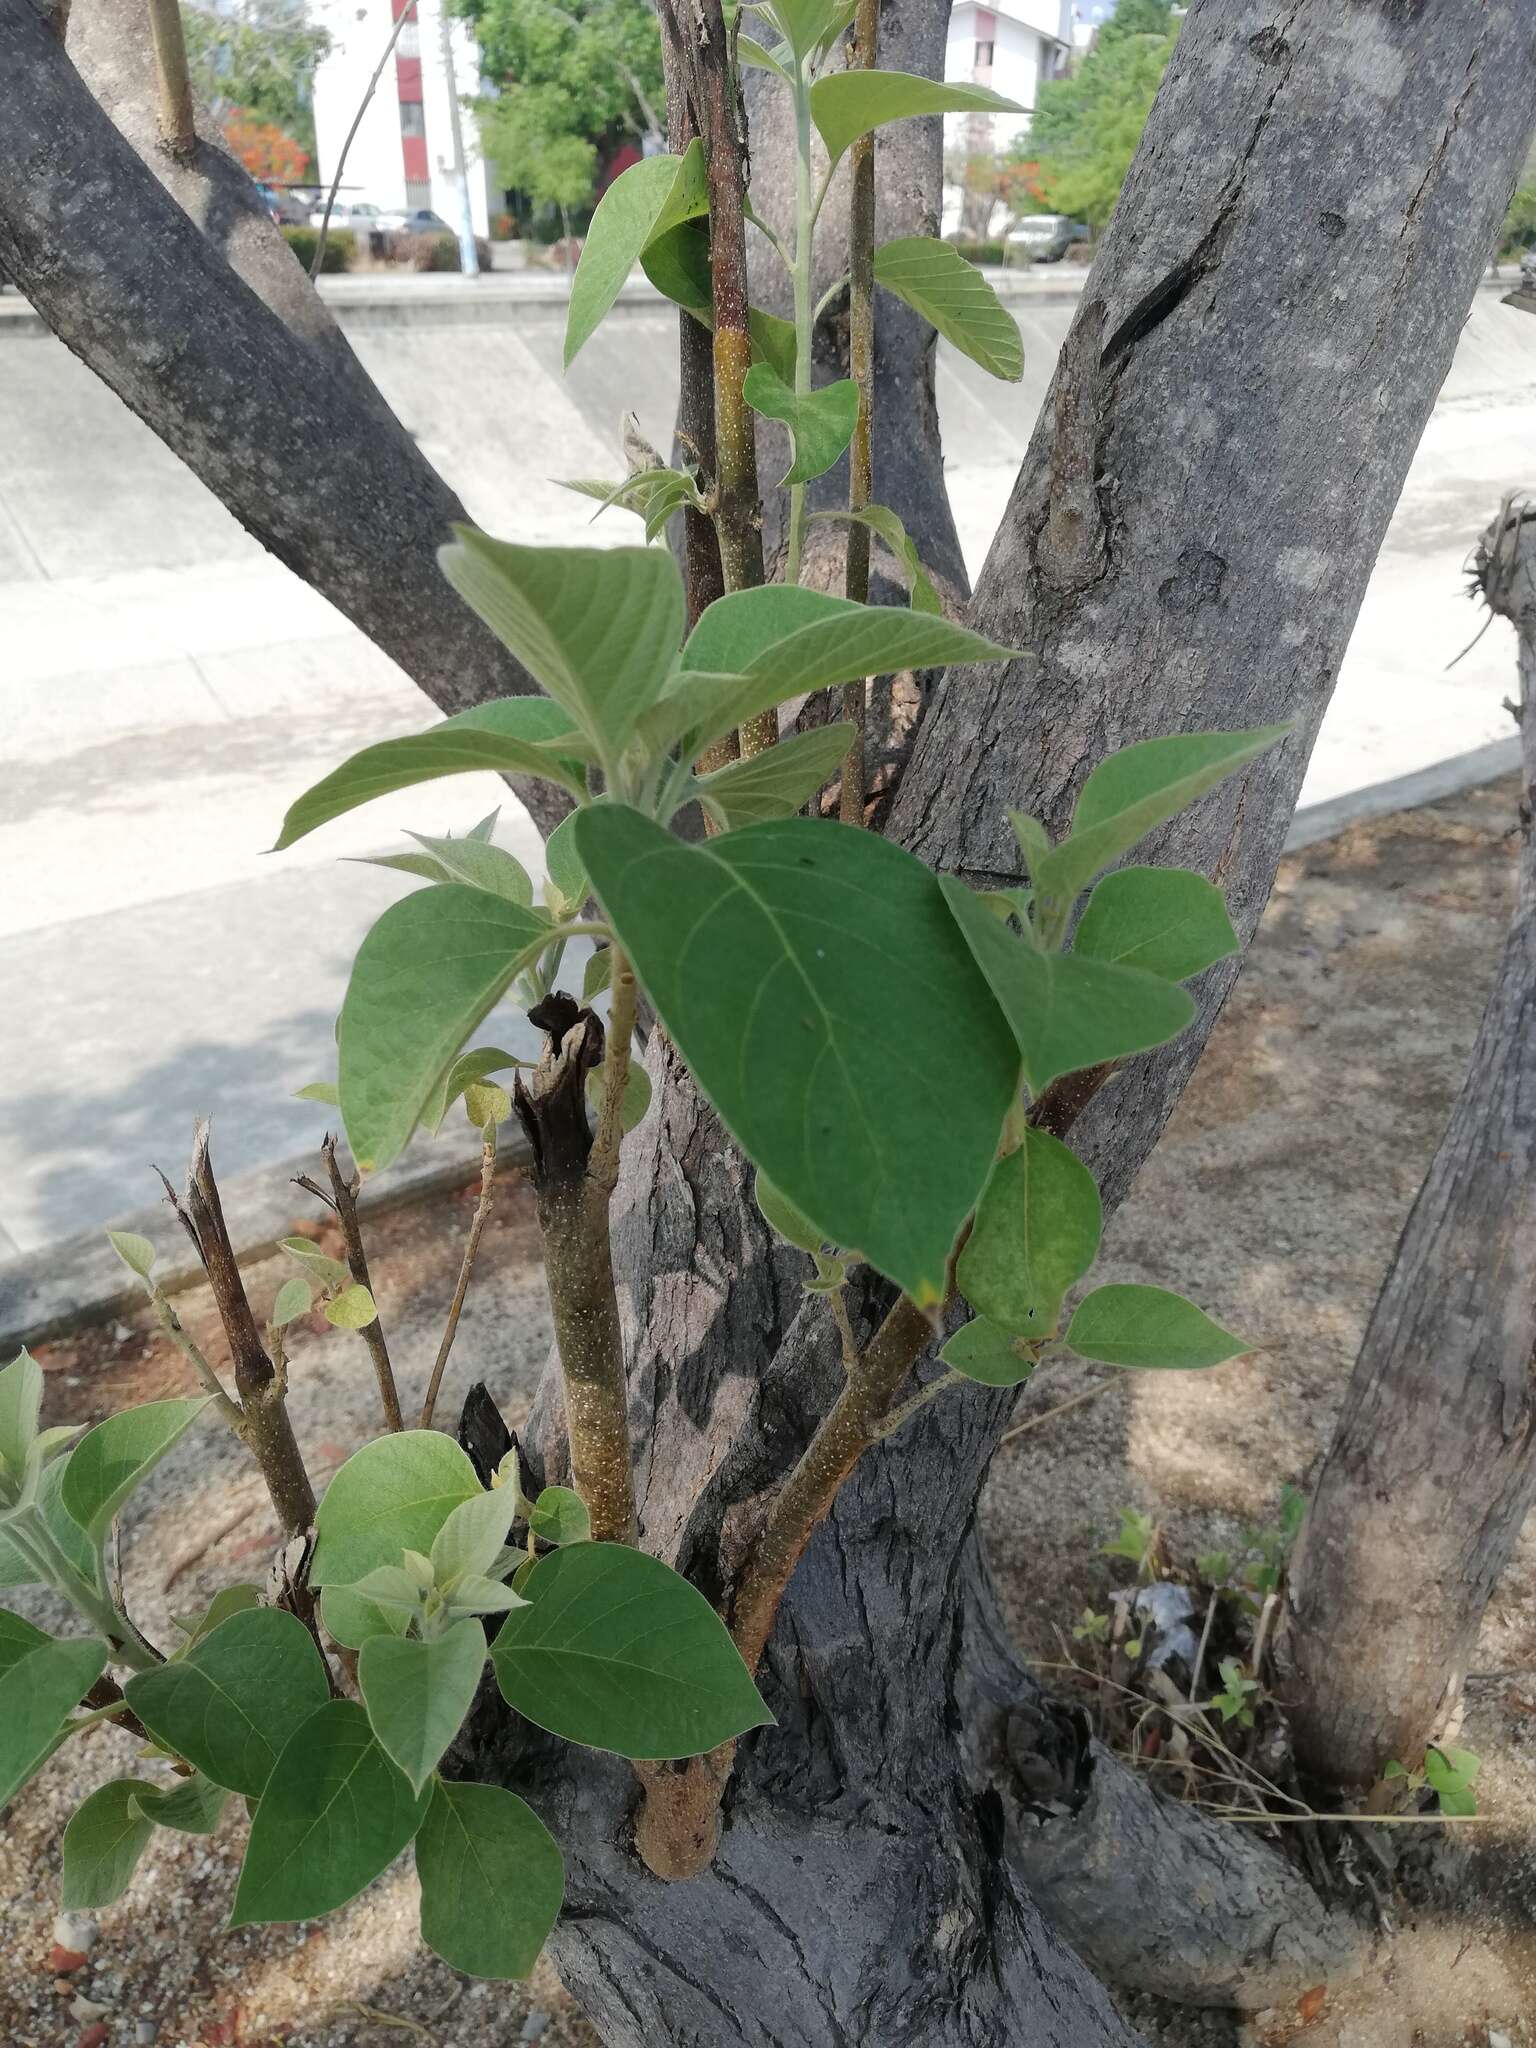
(168, 688)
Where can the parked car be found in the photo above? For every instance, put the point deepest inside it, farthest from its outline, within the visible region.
(357, 214)
(1043, 238)
(284, 207)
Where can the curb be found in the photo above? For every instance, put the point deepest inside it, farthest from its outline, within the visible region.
(1403, 793)
(81, 1280)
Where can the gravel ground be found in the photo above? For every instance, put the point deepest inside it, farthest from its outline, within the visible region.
(1275, 1200)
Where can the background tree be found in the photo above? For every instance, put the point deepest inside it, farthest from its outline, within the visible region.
(589, 73)
(890, 1647)
(265, 151)
(1087, 126)
(254, 66)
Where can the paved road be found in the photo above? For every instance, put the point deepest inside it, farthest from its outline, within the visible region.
(167, 688)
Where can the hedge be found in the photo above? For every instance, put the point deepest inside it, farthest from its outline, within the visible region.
(340, 247)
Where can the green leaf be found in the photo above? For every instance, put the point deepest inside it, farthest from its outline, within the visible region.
(1137, 789)
(295, 1298)
(424, 977)
(559, 1515)
(808, 24)
(473, 1595)
(841, 647)
(777, 782)
(598, 627)
(773, 343)
(480, 866)
(417, 1693)
(194, 1806)
(985, 1352)
(1150, 1328)
(18, 1639)
(737, 628)
(821, 423)
(847, 104)
(509, 735)
(136, 1253)
(110, 1460)
(352, 1309)
(471, 1539)
(398, 1585)
(647, 199)
(486, 1105)
(637, 1094)
(935, 280)
(1034, 841)
(751, 52)
(36, 1693)
(1167, 921)
(103, 1842)
(234, 1696)
(616, 1651)
(335, 1815)
(816, 985)
(465, 1071)
(491, 1880)
(1449, 1774)
(325, 1271)
(322, 1091)
(881, 520)
(485, 827)
(597, 974)
(1066, 1011)
(350, 1618)
(677, 264)
(1036, 1233)
(227, 1601)
(392, 1495)
(562, 865)
(21, 1403)
(784, 1219)
(66, 1532)
(419, 864)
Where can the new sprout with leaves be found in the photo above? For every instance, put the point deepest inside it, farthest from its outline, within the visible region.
(816, 980)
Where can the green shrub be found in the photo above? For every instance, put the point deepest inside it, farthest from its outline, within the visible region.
(441, 252)
(340, 247)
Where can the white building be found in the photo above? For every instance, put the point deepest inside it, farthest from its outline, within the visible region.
(402, 154)
(1013, 46)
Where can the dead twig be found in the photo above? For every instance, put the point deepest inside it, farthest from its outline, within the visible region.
(456, 1306)
(407, 14)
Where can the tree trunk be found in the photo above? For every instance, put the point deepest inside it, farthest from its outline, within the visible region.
(201, 321)
(1299, 239)
(1432, 1468)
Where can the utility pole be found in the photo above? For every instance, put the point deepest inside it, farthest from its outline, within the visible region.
(469, 259)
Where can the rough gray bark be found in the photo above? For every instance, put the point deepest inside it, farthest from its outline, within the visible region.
(159, 278)
(1432, 1468)
(1258, 348)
